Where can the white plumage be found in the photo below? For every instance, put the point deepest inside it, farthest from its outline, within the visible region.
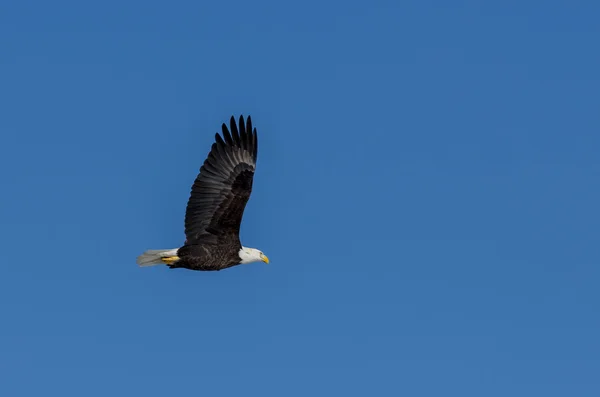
(154, 257)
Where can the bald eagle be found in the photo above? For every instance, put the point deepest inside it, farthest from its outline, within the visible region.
(216, 205)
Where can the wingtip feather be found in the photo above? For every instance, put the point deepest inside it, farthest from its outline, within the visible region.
(235, 131)
(226, 134)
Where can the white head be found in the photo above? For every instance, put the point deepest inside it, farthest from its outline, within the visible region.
(249, 255)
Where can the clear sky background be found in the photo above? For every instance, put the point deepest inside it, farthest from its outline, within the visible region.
(427, 192)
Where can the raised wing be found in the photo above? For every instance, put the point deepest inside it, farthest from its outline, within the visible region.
(223, 186)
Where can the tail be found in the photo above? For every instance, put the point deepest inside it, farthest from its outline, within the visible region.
(157, 257)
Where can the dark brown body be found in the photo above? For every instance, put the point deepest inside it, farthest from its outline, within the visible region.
(217, 201)
(207, 257)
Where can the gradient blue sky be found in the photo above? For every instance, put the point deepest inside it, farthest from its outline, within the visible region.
(427, 191)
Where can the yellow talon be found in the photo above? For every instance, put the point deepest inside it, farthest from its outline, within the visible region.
(170, 259)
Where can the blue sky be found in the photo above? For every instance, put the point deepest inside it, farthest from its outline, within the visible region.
(427, 192)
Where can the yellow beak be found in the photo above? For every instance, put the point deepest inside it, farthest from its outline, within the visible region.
(264, 258)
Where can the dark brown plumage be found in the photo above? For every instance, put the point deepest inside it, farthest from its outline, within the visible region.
(216, 206)
(218, 198)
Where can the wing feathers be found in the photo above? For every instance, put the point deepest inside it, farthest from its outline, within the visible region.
(226, 135)
(234, 131)
(219, 140)
(248, 137)
(255, 144)
(223, 186)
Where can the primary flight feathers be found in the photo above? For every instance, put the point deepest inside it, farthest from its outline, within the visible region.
(216, 206)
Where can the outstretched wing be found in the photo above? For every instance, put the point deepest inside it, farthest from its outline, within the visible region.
(223, 186)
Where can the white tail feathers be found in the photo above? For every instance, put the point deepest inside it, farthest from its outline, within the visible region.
(155, 257)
